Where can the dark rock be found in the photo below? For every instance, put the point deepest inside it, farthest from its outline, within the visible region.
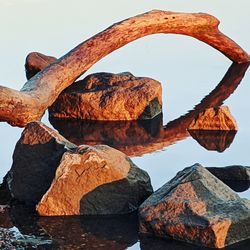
(236, 177)
(213, 140)
(233, 173)
(36, 157)
(198, 208)
(119, 197)
(35, 62)
(107, 96)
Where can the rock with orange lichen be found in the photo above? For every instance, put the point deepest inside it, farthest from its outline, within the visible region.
(95, 180)
(198, 208)
(218, 118)
(107, 96)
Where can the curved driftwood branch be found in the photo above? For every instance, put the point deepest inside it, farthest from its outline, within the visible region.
(43, 89)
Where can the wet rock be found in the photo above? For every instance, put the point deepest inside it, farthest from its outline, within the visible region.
(95, 180)
(198, 208)
(213, 140)
(36, 157)
(107, 96)
(236, 177)
(218, 118)
(235, 172)
(13, 239)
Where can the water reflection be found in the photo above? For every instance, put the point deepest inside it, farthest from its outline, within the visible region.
(86, 232)
(137, 138)
(213, 140)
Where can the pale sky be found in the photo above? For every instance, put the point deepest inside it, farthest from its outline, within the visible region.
(56, 26)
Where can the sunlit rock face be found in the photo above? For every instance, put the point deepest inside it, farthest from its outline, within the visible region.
(95, 180)
(218, 118)
(69, 180)
(198, 208)
(107, 96)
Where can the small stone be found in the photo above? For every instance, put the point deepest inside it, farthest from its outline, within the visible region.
(218, 118)
(196, 207)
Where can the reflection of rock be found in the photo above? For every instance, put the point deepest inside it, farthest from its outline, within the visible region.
(35, 160)
(213, 139)
(218, 118)
(107, 96)
(79, 184)
(196, 207)
(236, 177)
(125, 136)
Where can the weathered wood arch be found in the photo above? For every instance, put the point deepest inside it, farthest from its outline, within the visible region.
(21, 107)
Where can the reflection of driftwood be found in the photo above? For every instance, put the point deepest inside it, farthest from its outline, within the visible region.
(138, 138)
(19, 108)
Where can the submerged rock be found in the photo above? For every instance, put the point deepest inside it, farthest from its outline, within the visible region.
(198, 208)
(95, 180)
(107, 96)
(234, 172)
(236, 177)
(214, 140)
(218, 118)
(68, 180)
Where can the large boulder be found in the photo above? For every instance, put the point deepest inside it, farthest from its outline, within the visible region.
(36, 157)
(95, 180)
(68, 180)
(198, 208)
(107, 96)
(217, 118)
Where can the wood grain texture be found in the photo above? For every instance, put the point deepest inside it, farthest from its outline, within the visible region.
(37, 94)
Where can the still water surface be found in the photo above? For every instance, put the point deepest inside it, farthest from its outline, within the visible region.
(188, 71)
